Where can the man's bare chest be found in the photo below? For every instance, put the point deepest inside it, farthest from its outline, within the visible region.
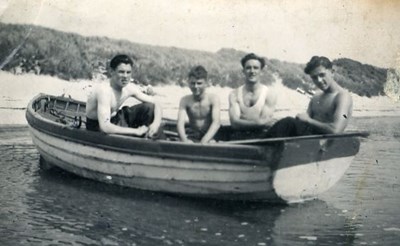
(324, 107)
(200, 108)
(116, 100)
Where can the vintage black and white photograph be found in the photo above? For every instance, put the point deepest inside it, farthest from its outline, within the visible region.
(199, 122)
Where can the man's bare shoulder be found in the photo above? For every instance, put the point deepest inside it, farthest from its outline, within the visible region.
(213, 98)
(344, 95)
(317, 96)
(271, 96)
(102, 89)
(233, 95)
(132, 89)
(185, 100)
(344, 100)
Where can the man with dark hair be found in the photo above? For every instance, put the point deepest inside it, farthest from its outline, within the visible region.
(103, 111)
(328, 111)
(317, 61)
(252, 56)
(251, 106)
(202, 109)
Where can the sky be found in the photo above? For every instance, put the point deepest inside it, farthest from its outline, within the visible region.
(290, 30)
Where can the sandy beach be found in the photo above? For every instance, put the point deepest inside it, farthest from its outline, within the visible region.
(17, 90)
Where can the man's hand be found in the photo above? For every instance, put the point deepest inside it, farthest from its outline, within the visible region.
(150, 91)
(141, 130)
(152, 130)
(265, 122)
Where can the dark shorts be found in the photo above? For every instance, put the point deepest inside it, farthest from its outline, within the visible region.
(247, 134)
(193, 135)
(92, 125)
(291, 127)
(134, 116)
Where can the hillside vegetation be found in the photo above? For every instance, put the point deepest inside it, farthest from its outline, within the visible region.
(71, 56)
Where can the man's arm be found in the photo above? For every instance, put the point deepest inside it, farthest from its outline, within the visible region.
(104, 117)
(153, 127)
(309, 109)
(268, 109)
(181, 120)
(342, 114)
(215, 120)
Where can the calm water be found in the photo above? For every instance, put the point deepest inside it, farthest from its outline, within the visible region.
(40, 207)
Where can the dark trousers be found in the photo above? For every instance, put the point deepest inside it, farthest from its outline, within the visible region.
(135, 116)
(240, 134)
(291, 127)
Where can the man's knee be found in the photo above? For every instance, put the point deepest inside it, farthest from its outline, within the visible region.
(282, 128)
(143, 114)
(147, 107)
(287, 120)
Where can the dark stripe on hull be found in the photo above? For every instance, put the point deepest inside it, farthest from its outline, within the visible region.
(197, 189)
(291, 159)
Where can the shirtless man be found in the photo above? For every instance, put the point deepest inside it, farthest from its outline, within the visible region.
(202, 109)
(328, 112)
(103, 111)
(251, 106)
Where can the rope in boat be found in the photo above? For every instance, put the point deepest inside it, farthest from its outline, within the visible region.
(61, 117)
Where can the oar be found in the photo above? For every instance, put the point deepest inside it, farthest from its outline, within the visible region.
(260, 141)
(322, 136)
(171, 133)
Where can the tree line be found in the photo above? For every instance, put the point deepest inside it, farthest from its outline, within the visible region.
(71, 56)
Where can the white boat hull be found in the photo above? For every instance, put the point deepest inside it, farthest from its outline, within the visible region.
(290, 169)
(155, 174)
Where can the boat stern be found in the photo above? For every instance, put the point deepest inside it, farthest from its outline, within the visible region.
(310, 167)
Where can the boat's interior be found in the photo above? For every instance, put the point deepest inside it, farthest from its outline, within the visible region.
(70, 112)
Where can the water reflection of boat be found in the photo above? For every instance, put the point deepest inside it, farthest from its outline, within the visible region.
(85, 211)
(289, 169)
(314, 223)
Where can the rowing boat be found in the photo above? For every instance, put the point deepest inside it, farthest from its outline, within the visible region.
(279, 169)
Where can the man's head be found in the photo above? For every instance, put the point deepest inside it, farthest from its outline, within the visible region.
(317, 61)
(118, 59)
(252, 56)
(121, 70)
(198, 80)
(252, 66)
(320, 70)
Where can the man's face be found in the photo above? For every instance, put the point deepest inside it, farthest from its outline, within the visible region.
(122, 74)
(322, 78)
(197, 86)
(252, 70)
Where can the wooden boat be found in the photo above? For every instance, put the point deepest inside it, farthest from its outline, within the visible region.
(281, 169)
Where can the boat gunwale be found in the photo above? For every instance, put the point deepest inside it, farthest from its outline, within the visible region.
(137, 163)
(362, 134)
(238, 154)
(43, 124)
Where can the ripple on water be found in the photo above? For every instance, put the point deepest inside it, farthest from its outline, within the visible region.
(56, 208)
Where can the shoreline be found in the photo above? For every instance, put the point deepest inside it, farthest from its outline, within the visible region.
(21, 123)
(15, 95)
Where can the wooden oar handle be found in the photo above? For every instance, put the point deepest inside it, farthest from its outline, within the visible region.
(323, 136)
